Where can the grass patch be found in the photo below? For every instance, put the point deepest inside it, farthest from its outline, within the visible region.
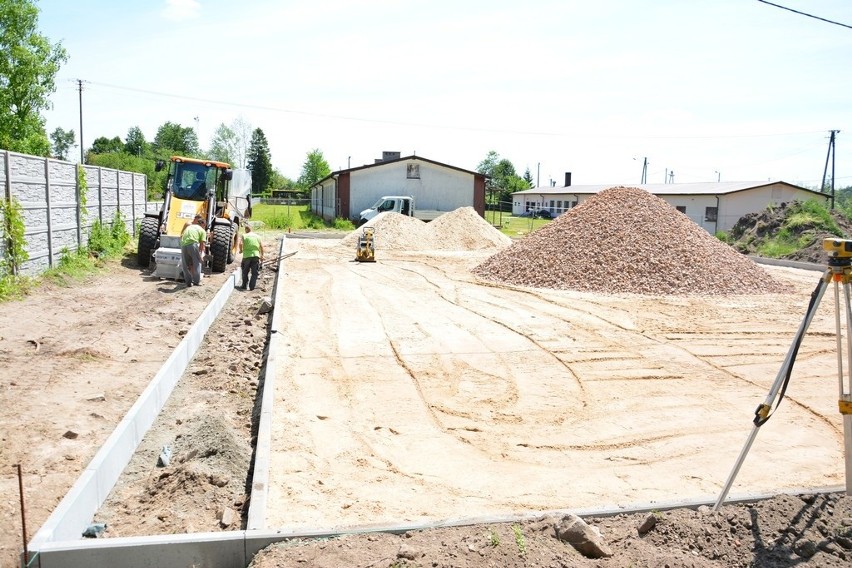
(776, 248)
(105, 242)
(295, 218)
(520, 541)
(518, 226)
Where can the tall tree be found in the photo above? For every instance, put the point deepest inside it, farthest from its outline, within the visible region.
(503, 180)
(172, 137)
(314, 169)
(223, 146)
(135, 142)
(243, 133)
(259, 162)
(528, 178)
(104, 145)
(28, 67)
(62, 140)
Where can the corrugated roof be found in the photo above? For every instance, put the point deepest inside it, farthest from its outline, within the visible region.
(701, 188)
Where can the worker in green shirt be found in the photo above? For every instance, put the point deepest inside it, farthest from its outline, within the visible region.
(192, 239)
(252, 250)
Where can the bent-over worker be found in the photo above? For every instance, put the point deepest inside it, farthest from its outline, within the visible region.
(252, 250)
(192, 239)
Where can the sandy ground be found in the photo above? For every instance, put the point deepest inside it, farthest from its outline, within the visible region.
(414, 393)
(74, 360)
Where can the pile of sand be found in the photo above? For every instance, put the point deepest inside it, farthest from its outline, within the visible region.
(459, 230)
(627, 240)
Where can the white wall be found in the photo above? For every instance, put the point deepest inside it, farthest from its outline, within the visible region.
(735, 205)
(324, 199)
(731, 206)
(438, 188)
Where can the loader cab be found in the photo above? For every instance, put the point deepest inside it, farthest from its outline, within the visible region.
(194, 181)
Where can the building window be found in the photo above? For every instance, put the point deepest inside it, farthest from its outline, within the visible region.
(711, 214)
(681, 208)
(413, 171)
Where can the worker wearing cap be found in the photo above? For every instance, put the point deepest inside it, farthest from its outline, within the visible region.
(192, 239)
(252, 250)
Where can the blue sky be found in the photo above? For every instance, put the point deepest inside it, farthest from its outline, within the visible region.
(736, 90)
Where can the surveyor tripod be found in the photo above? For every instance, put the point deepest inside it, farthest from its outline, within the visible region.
(839, 272)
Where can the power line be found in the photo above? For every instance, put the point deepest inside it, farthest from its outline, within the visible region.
(438, 126)
(805, 14)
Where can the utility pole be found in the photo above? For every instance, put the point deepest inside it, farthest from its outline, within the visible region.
(831, 153)
(80, 89)
(718, 176)
(538, 174)
(671, 176)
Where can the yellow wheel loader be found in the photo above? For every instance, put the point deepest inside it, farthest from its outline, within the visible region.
(195, 187)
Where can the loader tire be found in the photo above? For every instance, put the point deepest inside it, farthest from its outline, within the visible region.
(149, 231)
(220, 247)
(232, 249)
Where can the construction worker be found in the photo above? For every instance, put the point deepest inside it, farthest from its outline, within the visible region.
(252, 250)
(192, 239)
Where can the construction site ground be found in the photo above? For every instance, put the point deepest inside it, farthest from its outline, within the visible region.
(411, 392)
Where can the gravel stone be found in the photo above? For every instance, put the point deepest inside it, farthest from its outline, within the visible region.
(626, 240)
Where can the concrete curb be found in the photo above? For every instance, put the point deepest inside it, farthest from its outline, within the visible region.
(789, 263)
(256, 518)
(238, 548)
(76, 510)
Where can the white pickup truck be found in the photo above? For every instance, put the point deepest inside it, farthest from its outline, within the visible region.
(402, 204)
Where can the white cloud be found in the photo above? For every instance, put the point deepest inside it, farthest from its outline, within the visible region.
(181, 10)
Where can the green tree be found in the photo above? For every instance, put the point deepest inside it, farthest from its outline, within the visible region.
(502, 179)
(28, 67)
(133, 163)
(259, 161)
(62, 140)
(314, 169)
(135, 142)
(174, 138)
(104, 145)
(280, 181)
(528, 178)
(223, 146)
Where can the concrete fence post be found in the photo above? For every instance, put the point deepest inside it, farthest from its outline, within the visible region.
(133, 204)
(78, 170)
(7, 194)
(100, 195)
(48, 213)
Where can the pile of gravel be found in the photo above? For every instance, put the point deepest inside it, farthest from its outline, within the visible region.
(459, 230)
(627, 240)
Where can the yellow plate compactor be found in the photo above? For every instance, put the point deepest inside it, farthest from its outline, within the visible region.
(365, 250)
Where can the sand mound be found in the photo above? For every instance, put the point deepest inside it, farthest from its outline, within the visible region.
(459, 230)
(627, 240)
(464, 229)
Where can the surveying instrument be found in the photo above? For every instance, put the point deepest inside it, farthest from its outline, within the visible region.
(839, 271)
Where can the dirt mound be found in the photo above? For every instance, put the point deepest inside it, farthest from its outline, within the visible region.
(460, 230)
(795, 224)
(627, 240)
(808, 530)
